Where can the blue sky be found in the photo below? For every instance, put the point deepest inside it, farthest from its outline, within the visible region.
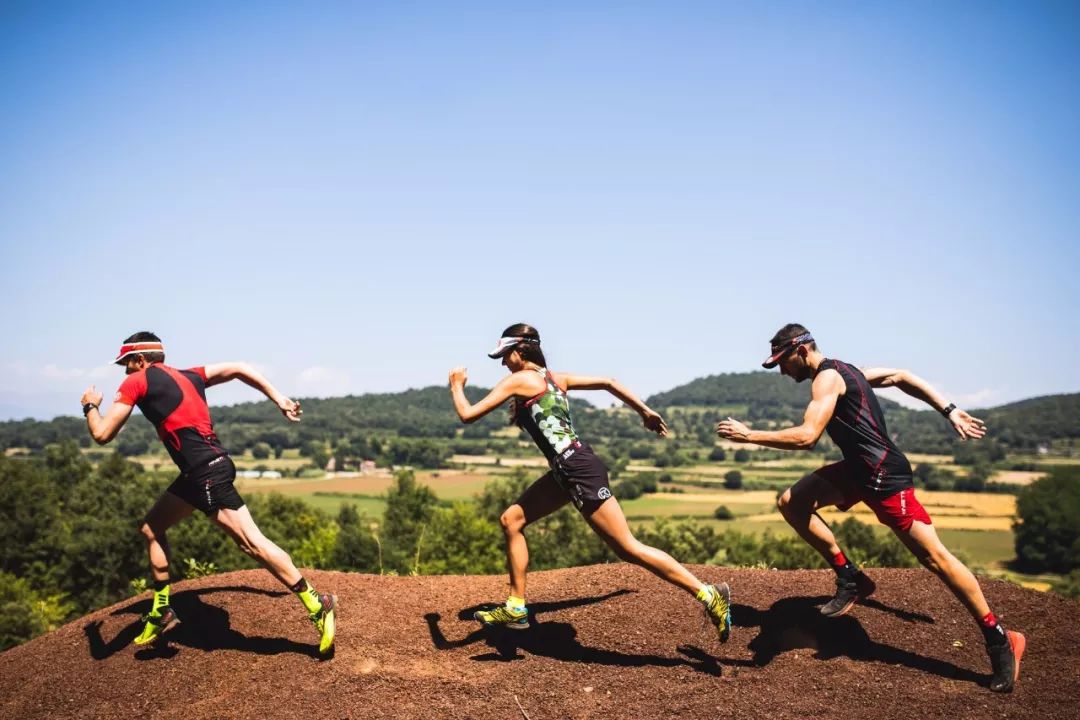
(357, 196)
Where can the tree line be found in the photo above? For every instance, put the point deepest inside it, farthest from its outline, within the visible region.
(419, 427)
(69, 540)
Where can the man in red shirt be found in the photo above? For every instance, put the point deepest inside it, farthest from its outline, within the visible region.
(175, 402)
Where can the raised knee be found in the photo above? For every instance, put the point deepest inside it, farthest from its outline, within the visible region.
(787, 505)
(148, 532)
(783, 501)
(512, 521)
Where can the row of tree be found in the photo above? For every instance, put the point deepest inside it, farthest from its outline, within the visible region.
(692, 411)
(69, 540)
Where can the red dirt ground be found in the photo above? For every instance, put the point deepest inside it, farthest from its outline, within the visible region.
(609, 641)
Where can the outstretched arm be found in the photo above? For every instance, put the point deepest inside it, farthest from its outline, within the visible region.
(224, 372)
(825, 391)
(104, 426)
(649, 417)
(964, 424)
(519, 383)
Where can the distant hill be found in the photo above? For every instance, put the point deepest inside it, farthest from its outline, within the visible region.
(1020, 425)
(427, 413)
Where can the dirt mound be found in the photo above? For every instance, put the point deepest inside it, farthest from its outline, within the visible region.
(608, 641)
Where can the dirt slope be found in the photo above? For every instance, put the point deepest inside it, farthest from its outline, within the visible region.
(609, 641)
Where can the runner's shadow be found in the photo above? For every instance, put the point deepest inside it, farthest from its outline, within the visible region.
(558, 640)
(795, 623)
(908, 615)
(202, 626)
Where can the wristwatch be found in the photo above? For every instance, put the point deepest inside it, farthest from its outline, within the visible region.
(947, 410)
(87, 407)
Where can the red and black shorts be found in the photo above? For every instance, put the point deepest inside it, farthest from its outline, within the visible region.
(583, 477)
(210, 487)
(897, 510)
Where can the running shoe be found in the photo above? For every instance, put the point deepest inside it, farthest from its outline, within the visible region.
(155, 625)
(324, 622)
(1005, 661)
(848, 592)
(512, 618)
(719, 610)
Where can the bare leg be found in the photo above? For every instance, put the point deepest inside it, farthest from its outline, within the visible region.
(610, 524)
(166, 512)
(242, 529)
(539, 500)
(798, 505)
(923, 541)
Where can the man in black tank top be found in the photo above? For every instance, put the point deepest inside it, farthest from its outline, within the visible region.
(873, 471)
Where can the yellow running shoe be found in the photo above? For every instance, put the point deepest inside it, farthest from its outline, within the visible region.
(719, 610)
(155, 625)
(512, 618)
(324, 622)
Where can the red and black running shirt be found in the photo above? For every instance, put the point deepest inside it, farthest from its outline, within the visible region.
(858, 429)
(175, 402)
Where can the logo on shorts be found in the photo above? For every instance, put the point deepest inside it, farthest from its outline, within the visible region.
(604, 493)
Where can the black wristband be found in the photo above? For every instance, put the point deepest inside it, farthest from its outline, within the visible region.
(87, 407)
(947, 410)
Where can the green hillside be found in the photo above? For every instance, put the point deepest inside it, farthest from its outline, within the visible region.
(414, 417)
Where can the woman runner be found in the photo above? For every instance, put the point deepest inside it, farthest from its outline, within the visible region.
(540, 406)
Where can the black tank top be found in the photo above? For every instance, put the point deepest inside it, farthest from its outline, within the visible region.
(858, 429)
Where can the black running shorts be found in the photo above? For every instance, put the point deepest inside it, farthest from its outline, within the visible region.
(209, 488)
(584, 478)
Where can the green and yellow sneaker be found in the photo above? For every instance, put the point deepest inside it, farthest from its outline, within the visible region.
(514, 618)
(324, 622)
(718, 608)
(156, 624)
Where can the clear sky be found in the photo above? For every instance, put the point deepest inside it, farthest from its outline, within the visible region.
(357, 196)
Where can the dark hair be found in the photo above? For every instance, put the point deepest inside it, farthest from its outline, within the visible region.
(789, 331)
(528, 351)
(147, 336)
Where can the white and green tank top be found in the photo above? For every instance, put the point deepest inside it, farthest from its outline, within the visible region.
(546, 417)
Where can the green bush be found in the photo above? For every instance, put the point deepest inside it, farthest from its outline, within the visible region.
(25, 614)
(1048, 530)
(1069, 585)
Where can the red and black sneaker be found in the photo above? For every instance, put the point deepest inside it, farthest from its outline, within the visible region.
(848, 592)
(1005, 661)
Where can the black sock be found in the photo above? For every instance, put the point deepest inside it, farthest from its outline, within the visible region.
(844, 567)
(160, 585)
(993, 631)
(300, 586)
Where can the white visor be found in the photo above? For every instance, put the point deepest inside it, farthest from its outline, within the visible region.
(508, 343)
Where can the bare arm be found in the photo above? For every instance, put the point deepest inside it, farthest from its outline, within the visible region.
(224, 372)
(519, 383)
(911, 384)
(104, 426)
(826, 390)
(649, 417)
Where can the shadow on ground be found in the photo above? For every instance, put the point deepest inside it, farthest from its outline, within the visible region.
(558, 640)
(795, 623)
(202, 626)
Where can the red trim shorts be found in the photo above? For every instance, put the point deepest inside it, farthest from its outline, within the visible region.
(898, 510)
